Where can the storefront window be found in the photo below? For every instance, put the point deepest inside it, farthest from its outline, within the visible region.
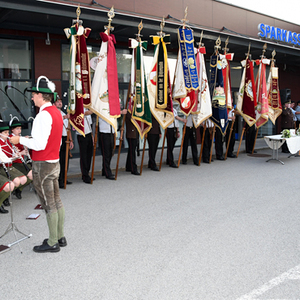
(15, 78)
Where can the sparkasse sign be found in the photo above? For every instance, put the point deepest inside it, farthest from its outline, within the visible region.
(278, 34)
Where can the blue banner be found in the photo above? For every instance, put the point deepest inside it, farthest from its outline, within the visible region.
(186, 44)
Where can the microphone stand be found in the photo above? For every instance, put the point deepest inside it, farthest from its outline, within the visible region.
(12, 226)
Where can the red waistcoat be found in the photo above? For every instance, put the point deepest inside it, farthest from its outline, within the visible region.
(51, 152)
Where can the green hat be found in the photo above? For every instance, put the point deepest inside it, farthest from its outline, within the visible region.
(14, 122)
(44, 86)
(4, 126)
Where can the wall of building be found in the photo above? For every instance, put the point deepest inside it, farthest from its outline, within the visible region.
(208, 13)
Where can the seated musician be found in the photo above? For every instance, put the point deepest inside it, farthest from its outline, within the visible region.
(7, 170)
(20, 164)
(5, 189)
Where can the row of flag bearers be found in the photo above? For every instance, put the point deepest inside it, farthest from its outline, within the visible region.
(151, 97)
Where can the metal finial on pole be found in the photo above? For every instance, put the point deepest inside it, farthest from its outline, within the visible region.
(264, 50)
(78, 12)
(162, 25)
(200, 42)
(217, 46)
(248, 53)
(111, 15)
(140, 27)
(185, 20)
(226, 44)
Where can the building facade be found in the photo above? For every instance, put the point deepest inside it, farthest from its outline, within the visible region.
(33, 43)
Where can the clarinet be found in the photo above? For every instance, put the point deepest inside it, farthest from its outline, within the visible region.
(29, 160)
(21, 158)
(6, 170)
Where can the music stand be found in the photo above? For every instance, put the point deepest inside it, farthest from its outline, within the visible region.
(12, 226)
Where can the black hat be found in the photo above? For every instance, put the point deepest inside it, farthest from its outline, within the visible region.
(3, 126)
(44, 86)
(14, 122)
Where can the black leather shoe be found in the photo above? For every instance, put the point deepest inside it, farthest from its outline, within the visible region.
(86, 180)
(69, 182)
(173, 165)
(206, 161)
(135, 173)
(46, 248)
(3, 210)
(111, 177)
(6, 202)
(17, 193)
(155, 168)
(62, 242)
(231, 155)
(220, 158)
(184, 162)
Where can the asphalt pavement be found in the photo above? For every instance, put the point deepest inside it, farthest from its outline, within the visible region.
(225, 230)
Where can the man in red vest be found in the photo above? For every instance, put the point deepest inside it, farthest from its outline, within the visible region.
(45, 144)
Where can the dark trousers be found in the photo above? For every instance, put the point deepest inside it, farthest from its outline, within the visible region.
(190, 136)
(219, 143)
(232, 139)
(131, 156)
(62, 160)
(206, 144)
(106, 141)
(153, 140)
(171, 140)
(250, 133)
(86, 153)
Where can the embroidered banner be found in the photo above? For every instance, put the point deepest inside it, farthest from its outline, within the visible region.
(203, 110)
(247, 98)
(139, 105)
(160, 98)
(219, 109)
(80, 80)
(225, 61)
(105, 100)
(262, 108)
(273, 91)
(186, 83)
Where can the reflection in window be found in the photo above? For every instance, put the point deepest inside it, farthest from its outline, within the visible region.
(15, 59)
(15, 78)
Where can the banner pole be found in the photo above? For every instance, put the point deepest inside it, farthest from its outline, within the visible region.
(67, 153)
(141, 168)
(95, 147)
(122, 131)
(202, 144)
(229, 138)
(212, 143)
(237, 154)
(255, 140)
(162, 149)
(183, 134)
